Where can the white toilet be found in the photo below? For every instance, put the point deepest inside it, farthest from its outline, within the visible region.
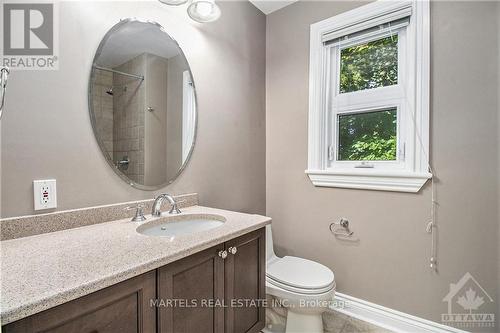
(304, 287)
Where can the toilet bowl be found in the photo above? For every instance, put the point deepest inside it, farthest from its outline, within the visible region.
(304, 287)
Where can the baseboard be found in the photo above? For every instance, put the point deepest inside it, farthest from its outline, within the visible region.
(387, 318)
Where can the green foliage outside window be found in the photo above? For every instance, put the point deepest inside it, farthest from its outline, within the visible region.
(370, 65)
(370, 136)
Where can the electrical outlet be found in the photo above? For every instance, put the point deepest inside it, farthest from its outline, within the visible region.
(45, 194)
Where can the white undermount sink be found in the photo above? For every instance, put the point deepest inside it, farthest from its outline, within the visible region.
(169, 226)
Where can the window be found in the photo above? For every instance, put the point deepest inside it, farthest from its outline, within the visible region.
(369, 98)
(367, 136)
(370, 64)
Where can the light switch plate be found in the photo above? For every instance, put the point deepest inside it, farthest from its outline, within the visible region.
(45, 194)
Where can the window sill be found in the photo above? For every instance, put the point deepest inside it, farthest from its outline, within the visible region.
(397, 181)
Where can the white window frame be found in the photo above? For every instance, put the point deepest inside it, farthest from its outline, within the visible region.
(410, 171)
(375, 99)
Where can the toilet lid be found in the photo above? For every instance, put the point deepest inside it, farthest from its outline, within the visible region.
(300, 273)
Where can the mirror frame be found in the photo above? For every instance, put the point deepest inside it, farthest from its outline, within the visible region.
(109, 160)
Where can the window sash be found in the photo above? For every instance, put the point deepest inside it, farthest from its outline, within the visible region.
(401, 33)
(361, 101)
(398, 163)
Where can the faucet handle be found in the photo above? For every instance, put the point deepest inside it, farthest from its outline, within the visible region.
(174, 209)
(139, 213)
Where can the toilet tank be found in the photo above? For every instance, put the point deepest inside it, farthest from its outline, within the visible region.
(269, 244)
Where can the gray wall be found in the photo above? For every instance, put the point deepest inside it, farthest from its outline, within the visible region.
(155, 123)
(390, 264)
(498, 140)
(47, 133)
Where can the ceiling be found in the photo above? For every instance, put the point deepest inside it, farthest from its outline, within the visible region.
(133, 39)
(136, 38)
(269, 6)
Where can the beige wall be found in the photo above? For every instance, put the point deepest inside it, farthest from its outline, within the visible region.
(155, 123)
(47, 131)
(498, 140)
(390, 263)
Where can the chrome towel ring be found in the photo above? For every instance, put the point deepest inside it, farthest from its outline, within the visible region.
(341, 228)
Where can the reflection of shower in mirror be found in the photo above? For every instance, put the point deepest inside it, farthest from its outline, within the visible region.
(4, 75)
(142, 104)
(111, 91)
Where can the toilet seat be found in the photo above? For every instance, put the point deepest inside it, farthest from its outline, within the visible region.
(300, 275)
(299, 291)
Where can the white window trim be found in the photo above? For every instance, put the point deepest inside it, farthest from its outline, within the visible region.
(415, 173)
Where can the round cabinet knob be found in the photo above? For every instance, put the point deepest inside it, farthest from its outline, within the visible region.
(223, 254)
(233, 250)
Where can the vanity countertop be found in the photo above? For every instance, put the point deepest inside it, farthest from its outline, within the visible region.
(42, 271)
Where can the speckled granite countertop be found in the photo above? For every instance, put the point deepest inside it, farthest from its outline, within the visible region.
(42, 271)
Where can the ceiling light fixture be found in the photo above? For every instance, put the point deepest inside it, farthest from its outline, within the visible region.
(204, 11)
(173, 2)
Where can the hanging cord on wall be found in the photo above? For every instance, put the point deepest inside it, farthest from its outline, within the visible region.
(431, 227)
(4, 75)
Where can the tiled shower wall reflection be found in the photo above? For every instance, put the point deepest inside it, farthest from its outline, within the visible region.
(128, 109)
(103, 108)
(121, 105)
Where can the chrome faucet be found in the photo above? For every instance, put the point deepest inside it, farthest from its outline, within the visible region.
(156, 210)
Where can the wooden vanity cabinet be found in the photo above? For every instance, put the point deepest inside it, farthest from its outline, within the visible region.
(245, 283)
(183, 286)
(124, 307)
(213, 291)
(219, 289)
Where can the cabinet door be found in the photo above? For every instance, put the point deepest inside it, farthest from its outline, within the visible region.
(189, 290)
(245, 280)
(124, 307)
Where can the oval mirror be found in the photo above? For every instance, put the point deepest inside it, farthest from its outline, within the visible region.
(143, 104)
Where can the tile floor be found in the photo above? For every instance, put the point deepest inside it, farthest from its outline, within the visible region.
(333, 322)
